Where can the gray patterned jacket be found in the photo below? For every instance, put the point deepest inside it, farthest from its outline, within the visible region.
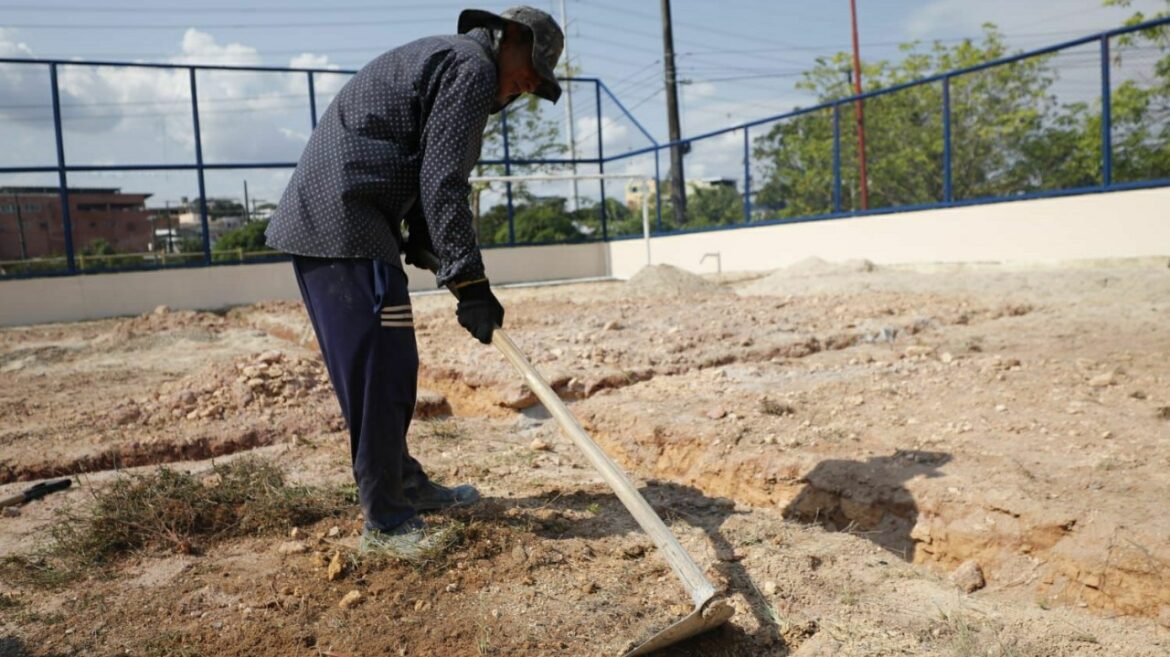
(401, 137)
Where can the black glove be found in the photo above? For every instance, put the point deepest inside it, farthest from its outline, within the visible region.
(479, 311)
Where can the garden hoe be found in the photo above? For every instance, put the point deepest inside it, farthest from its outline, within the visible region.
(711, 608)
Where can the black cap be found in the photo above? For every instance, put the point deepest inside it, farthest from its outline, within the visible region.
(547, 40)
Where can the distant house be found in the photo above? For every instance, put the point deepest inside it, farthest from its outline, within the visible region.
(32, 224)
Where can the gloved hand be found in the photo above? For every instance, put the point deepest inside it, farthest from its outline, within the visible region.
(479, 311)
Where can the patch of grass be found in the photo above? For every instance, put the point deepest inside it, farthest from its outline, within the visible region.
(443, 430)
(9, 602)
(171, 510)
(593, 509)
(483, 642)
(773, 407)
(35, 572)
(972, 635)
(1107, 464)
(170, 644)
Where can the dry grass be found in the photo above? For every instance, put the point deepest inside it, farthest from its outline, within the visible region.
(773, 407)
(172, 511)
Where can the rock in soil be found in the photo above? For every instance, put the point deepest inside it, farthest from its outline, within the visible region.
(968, 576)
(350, 600)
(336, 567)
(292, 547)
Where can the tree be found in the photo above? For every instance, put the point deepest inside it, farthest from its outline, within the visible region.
(531, 136)
(721, 205)
(1141, 107)
(994, 114)
(249, 237)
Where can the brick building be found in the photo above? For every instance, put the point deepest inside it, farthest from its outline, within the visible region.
(31, 224)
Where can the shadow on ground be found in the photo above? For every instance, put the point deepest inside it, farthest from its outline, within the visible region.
(673, 503)
(13, 647)
(867, 498)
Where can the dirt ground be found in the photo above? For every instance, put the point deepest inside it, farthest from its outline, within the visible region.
(841, 446)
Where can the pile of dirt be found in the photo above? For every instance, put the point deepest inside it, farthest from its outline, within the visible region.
(163, 319)
(801, 274)
(264, 380)
(814, 266)
(668, 280)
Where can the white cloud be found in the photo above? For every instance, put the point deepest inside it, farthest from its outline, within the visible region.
(10, 47)
(200, 47)
(615, 135)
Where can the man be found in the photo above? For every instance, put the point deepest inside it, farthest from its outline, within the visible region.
(398, 144)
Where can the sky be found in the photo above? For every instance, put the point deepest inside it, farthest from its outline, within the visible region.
(738, 60)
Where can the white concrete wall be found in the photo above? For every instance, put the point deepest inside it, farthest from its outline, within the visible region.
(71, 298)
(1111, 225)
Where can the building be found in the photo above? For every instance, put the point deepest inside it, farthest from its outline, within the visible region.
(636, 189)
(32, 224)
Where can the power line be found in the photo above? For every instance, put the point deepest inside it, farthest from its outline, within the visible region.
(203, 9)
(222, 26)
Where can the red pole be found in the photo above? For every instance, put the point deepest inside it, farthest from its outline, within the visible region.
(859, 110)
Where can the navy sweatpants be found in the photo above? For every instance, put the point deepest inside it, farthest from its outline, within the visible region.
(360, 311)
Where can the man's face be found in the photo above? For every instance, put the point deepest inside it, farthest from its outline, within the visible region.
(516, 75)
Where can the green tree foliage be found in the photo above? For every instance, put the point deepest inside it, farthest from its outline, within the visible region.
(190, 245)
(98, 247)
(715, 206)
(249, 237)
(531, 135)
(1141, 107)
(996, 115)
(1009, 132)
(546, 219)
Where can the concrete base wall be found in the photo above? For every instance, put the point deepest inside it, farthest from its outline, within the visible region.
(1113, 225)
(72, 298)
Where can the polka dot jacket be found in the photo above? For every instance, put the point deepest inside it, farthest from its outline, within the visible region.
(401, 137)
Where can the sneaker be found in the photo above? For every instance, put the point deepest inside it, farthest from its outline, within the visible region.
(434, 497)
(413, 540)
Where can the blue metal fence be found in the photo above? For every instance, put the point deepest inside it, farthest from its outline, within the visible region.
(63, 169)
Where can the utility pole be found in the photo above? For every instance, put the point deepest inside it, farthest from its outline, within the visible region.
(20, 227)
(858, 109)
(170, 230)
(247, 214)
(571, 137)
(678, 190)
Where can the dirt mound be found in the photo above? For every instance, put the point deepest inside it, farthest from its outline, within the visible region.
(800, 275)
(263, 380)
(663, 280)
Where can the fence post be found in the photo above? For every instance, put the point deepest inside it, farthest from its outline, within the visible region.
(199, 169)
(948, 183)
(601, 162)
(837, 157)
(312, 101)
(658, 187)
(747, 179)
(1106, 116)
(62, 178)
(508, 184)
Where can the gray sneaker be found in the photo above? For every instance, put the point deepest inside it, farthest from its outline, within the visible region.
(435, 497)
(413, 540)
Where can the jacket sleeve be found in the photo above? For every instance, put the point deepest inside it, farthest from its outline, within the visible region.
(451, 141)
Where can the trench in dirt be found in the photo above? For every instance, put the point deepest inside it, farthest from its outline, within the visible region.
(863, 498)
(835, 494)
